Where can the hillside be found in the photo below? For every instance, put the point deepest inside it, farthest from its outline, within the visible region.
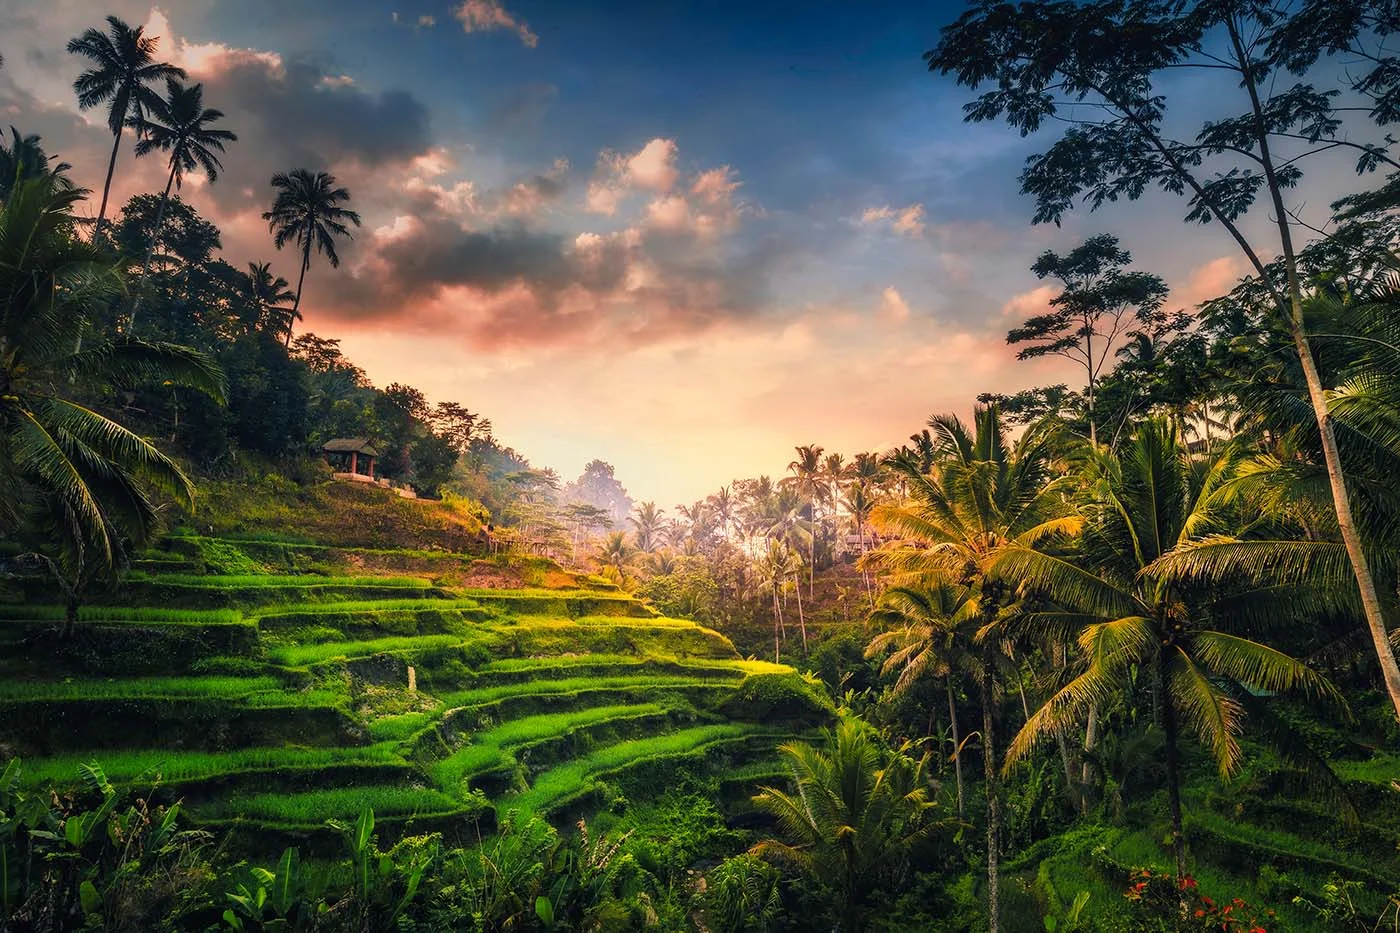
(273, 685)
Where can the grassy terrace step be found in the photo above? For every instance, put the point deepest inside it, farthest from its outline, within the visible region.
(570, 604)
(252, 580)
(491, 750)
(477, 697)
(675, 691)
(310, 809)
(558, 786)
(185, 767)
(257, 590)
(112, 639)
(403, 617)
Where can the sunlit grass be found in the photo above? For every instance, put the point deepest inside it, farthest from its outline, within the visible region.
(570, 685)
(301, 655)
(138, 688)
(244, 581)
(575, 777)
(313, 808)
(183, 766)
(33, 613)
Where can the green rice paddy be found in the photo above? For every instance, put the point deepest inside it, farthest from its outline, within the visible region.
(505, 676)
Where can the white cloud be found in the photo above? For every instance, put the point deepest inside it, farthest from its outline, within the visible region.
(905, 221)
(485, 15)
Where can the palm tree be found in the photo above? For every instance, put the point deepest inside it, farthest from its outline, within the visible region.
(983, 497)
(860, 503)
(307, 211)
(616, 554)
(855, 817)
(269, 295)
(1154, 504)
(649, 522)
(25, 158)
(928, 632)
(178, 124)
(125, 65)
(807, 478)
(69, 475)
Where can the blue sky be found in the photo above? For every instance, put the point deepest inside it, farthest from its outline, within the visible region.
(680, 237)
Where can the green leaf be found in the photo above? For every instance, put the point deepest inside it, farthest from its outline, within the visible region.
(90, 898)
(545, 911)
(286, 882)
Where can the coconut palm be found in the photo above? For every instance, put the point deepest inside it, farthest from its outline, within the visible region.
(650, 522)
(178, 124)
(68, 474)
(124, 67)
(307, 212)
(268, 295)
(807, 479)
(854, 818)
(25, 158)
(984, 495)
(615, 554)
(1153, 504)
(928, 633)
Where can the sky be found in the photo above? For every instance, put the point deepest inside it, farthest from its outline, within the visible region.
(682, 238)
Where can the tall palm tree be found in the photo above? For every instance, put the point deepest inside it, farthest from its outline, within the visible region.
(25, 158)
(807, 479)
(68, 474)
(928, 633)
(649, 522)
(855, 817)
(269, 295)
(307, 212)
(1154, 505)
(178, 124)
(983, 496)
(616, 554)
(124, 67)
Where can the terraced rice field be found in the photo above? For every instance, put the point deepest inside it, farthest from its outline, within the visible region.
(275, 702)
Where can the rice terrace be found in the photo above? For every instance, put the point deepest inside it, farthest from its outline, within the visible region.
(1078, 611)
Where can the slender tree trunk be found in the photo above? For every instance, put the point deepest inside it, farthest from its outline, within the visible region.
(107, 185)
(801, 618)
(1341, 498)
(811, 571)
(150, 250)
(1091, 738)
(1089, 356)
(1169, 730)
(1063, 743)
(957, 745)
(989, 773)
(296, 303)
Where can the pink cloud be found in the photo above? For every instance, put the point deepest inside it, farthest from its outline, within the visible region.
(1210, 280)
(904, 221)
(485, 15)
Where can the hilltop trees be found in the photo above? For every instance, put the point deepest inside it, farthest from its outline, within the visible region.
(124, 66)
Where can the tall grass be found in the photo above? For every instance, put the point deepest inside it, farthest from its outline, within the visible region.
(575, 777)
(364, 605)
(138, 688)
(489, 749)
(301, 655)
(245, 581)
(313, 808)
(33, 613)
(183, 766)
(482, 695)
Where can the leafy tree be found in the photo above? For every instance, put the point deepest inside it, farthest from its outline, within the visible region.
(124, 66)
(458, 425)
(1151, 505)
(1096, 67)
(69, 476)
(598, 485)
(982, 497)
(24, 158)
(928, 633)
(1086, 322)
(856, 816)
(307, 211)
(267, 298)
(178, 124)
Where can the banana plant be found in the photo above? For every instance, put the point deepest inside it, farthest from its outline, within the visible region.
(270, 900)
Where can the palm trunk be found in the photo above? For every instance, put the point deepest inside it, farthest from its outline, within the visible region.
(1091, 738)
(812, 571)
(989, 773)
(801, 617)
(301, 279)
(1169, 729)
(1341, 498)
(150, 250)
(107, 185)
(957, 745)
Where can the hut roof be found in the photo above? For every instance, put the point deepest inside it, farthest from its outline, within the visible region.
(345, 445)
